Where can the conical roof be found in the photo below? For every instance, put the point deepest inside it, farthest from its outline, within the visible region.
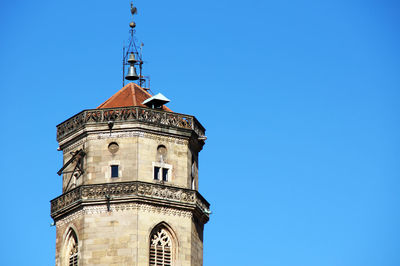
(130, 95)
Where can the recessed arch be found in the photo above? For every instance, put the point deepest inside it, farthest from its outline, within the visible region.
(71, 248)
(162, 153)
(163, 245)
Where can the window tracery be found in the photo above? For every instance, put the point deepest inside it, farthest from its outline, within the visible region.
(160, 248)
(72, 249)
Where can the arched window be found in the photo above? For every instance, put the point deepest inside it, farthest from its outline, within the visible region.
(160, 248)
(72, 249)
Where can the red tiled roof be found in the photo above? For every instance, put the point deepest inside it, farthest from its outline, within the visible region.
(130, 95)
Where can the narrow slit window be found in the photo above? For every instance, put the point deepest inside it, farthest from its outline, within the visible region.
(114, 171)
(165, 174)
(156, 173)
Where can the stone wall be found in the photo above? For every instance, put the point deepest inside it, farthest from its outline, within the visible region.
(113, 224)
(121, 236)
(137, 151)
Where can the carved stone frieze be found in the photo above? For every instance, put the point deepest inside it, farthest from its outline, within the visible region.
(126, 114)
(158, 137)
(69, 218)
(75, 145)
(67, 199)
(113, 135)
(130, 134)
(137, 207)
(136, 191)
(97, 209)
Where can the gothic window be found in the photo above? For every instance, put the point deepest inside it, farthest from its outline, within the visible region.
(160, 248)
(72, 249)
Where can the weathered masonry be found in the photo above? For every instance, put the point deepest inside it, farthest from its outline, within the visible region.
(130, 185)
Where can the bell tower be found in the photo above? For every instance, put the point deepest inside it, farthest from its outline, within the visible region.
(130, 181)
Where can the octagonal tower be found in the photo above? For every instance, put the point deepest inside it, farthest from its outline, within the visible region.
(130, 185)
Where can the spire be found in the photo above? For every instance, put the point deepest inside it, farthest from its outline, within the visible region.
(132, 55)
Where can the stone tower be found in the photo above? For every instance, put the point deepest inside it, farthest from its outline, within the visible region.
(130, 185)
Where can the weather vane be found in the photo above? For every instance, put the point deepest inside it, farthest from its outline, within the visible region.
(132, 56)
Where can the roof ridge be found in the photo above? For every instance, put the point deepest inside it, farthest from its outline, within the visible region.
(133, 92)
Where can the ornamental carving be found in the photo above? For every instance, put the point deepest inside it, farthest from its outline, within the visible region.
(126, 114)
(97, 209)
(125, 191)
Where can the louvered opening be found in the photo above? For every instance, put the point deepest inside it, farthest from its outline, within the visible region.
(167, 256)
(152, 256)
(160, 249)
(73, 260)
(152, 252)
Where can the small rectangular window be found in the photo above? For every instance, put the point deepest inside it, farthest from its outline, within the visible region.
(114, 170)
(156, 173)
(165, 174)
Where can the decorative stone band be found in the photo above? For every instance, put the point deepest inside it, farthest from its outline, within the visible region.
(135, 191)
(126, 114)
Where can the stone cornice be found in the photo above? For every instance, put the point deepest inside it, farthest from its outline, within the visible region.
(120, 207)
(128, 114)
(134, 191)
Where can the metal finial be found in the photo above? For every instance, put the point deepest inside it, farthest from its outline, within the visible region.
(133, 12)
(132, 54)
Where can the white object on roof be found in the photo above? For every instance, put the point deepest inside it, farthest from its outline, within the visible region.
(156, 101)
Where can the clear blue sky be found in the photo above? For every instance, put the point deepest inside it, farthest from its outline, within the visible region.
(300, 100)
